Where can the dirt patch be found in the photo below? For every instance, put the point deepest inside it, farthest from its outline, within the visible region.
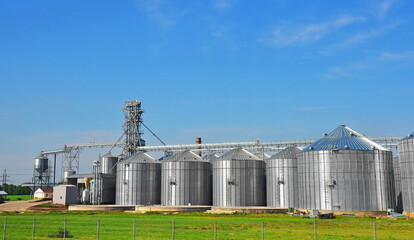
(18, 206)
(48, 206)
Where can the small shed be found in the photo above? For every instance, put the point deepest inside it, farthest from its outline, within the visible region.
(43, 193)
(2, 194)
(64, 194)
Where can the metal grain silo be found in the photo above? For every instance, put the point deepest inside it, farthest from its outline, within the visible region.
(185, 180)
(282, 178)
(67, 173)
(406, 160)
(41, 164)
(239, 180)
(345, 171)
(397, 181)
(211, 157)
(138, 181)
(262, 155)
(108, 164)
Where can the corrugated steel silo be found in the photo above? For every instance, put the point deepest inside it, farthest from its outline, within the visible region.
(138, 181)
(41, 164)
(239, 180)
(282, 178)
(406, 160)
(211, 157)
(67, 173)
(108, 164)
(345, 171)
(185, 180)
(262, 155)
(397, 181)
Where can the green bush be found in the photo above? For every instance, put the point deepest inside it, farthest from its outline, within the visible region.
(60, 232)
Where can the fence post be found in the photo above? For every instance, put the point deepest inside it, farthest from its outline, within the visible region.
(64, 230)
(34, 228)
(5, 224)
(262, 231)
(173, 223)
(215, 230)
(97, 231)
(134, 229)
(314, 224)
(375, 231)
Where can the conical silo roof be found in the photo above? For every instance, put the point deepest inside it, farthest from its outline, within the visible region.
(261, 155)
(343, 137)
(211, 157)
(108, 155)
(185, 156)
(238, 154)
(408, 136)
(287, 153)
(140, 157)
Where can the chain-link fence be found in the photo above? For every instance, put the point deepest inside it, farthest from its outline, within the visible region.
(135, 227)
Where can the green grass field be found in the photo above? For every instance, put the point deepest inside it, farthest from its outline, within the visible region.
(18, 197)
(83, 225)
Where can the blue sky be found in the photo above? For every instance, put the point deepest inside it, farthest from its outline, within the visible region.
(223, 70)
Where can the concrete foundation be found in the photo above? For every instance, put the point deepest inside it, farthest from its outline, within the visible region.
(356, 213)
(248, 210)
(169, 209)
(100, 208)
(409, 214)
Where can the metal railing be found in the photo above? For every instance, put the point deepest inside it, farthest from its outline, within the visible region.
(214, 147)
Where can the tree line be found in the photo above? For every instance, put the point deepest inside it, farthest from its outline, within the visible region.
(12, 189)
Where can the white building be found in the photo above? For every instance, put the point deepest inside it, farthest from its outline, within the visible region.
(43, 193)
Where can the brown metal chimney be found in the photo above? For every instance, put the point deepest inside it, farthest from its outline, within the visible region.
(198, 141)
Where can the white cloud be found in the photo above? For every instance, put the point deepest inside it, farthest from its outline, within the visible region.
(338, 73)
(284, 36)
(384, 7)
(216, 28)
(222, 4)
(157, 10)
(316, 108)
(396, 56)
(364, 36)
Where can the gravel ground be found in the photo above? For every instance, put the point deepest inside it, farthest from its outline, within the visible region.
(18, 206)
